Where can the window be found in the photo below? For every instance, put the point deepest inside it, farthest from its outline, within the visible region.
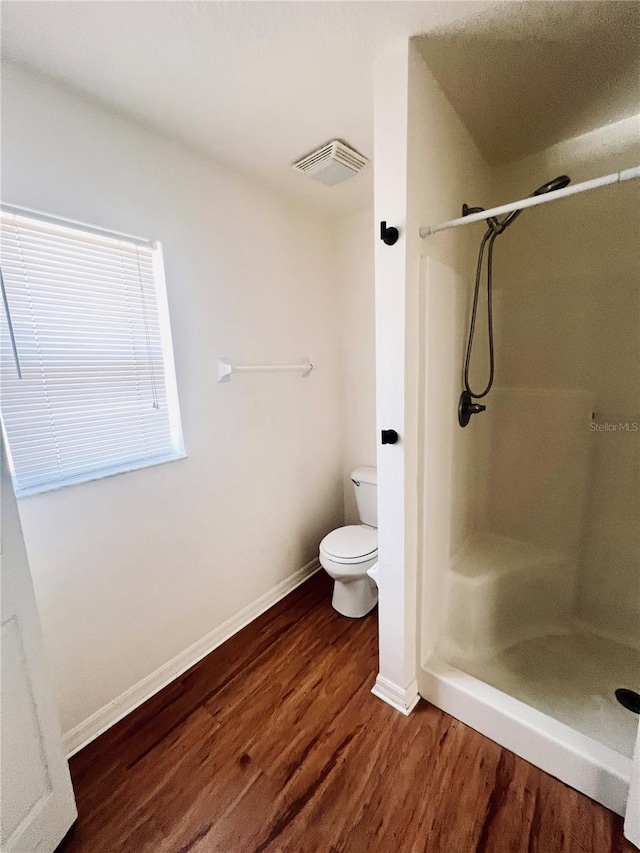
(86, 365)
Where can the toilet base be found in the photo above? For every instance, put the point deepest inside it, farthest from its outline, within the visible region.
(354, 598)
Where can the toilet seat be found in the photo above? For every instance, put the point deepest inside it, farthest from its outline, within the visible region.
(355, 543)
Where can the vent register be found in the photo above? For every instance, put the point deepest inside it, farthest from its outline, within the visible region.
(332, 163)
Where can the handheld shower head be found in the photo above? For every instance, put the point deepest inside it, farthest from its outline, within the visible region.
(466, 406)
(558, 183)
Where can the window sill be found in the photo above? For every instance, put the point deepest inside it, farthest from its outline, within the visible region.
(98, 475)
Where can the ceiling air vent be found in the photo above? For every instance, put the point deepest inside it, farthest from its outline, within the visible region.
(331, 164)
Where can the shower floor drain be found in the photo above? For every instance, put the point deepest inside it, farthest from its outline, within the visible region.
(629, 699)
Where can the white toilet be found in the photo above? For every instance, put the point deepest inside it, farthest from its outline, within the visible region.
(348, 553)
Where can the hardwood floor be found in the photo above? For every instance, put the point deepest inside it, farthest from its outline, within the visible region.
(275, 743)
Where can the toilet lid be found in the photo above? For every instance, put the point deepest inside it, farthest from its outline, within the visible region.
(347, 543)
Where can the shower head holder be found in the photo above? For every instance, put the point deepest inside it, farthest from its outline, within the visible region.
(466, 408)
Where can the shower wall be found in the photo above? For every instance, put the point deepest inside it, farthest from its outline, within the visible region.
(567, 277)
(450, 469)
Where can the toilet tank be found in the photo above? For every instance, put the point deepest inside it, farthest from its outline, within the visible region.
(365, 485)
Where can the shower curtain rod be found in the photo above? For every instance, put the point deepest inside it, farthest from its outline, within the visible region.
(532, 201)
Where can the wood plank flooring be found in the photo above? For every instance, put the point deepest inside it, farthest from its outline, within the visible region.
(275, 743)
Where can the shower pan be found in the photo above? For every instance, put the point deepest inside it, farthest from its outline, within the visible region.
(509, 611)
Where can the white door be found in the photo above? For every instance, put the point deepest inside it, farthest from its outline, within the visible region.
(37, 805)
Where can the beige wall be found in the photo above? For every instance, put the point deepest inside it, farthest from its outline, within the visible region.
(569, 278)
(354, 255)
(396, 381)
(131, 570)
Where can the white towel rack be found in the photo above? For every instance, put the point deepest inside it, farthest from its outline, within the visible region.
(532, 201)
(226, 369)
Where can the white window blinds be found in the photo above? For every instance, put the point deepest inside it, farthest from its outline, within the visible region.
(87, 330)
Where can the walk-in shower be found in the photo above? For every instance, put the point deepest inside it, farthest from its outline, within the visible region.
(531, 579)
(466, 406)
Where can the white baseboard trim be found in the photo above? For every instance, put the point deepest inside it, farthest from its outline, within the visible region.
(403, 700)
(111, 713)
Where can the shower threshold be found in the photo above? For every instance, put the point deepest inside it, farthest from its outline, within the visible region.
(571, 677)
(536, 732)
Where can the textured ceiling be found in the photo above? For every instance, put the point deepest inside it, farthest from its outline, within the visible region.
(537, 80)
(258, 84)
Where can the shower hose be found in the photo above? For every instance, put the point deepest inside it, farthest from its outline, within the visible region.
(489, 237)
